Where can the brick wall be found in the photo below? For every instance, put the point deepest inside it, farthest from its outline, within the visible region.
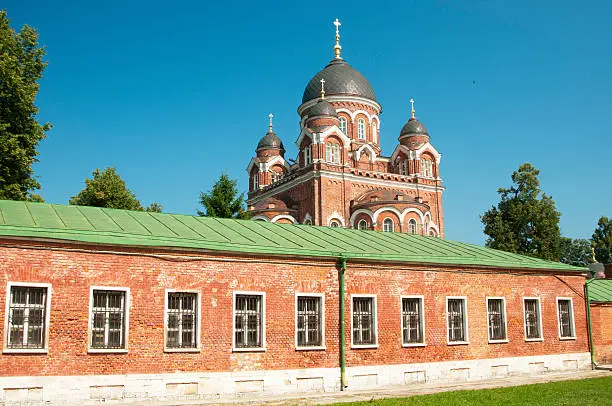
(149, 272)
(601, 321)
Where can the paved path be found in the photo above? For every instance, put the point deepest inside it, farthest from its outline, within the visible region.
(390, 392)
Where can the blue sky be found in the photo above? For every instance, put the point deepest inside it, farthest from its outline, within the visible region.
(175, 93)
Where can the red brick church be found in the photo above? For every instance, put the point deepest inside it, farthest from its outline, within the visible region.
(340, 178)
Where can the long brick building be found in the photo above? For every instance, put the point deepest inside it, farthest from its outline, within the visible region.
(340, 177)
(102, 304)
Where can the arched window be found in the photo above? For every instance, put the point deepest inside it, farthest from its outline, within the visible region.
(433, 233)
(374, 131)
(342, 124)
(308, 222)
(276, 176)
(334, 223)
(307, 155)
(332, 153)
(388, 225)
(361, 129)
(362, 225)
(412, 226)
(426, 168)
(403, 167)
(255, 181)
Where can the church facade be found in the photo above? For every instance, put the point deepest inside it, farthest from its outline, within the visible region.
(340, 177)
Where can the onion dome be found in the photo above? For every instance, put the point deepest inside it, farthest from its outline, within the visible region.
(340, 79)
(413, 127)
(322, 108)
(270, 140)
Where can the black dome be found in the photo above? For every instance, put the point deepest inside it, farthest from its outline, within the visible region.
(340, 79)
(270, 140)
(322, 108)
(413, 127)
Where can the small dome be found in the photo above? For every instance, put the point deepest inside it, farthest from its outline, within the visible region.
(322, 108)
(270, 140)
(413, 127)
(271, 203)
(340, 79)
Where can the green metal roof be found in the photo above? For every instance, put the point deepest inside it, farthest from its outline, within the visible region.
(123, 227)
(600, 290)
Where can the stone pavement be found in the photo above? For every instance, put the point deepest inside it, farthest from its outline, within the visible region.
(320, 398)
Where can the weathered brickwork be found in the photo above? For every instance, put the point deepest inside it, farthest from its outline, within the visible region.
(601, 317)
(73, 269)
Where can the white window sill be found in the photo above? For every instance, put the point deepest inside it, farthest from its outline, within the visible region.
(533, 340)
(107, 350)
(25, 351)
(458, 342)
(414, 345)
(313, 348)
(249, 349)
(505, 341)
(196, 349)
(567, 338)
(363, 346)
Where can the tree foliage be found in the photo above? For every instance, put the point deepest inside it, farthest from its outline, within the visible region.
(526, 220)
(576, 252)
(223, 200)
(602, 240)
(107, 189)
(21, 66)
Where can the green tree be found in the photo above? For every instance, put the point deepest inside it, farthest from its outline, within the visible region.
(223, 200)
(155, 208)
(107, 189)
(21, 66)
(526, 220)
(576, 252)
(602, 240)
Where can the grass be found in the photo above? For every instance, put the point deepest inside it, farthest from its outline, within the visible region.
(594, 391)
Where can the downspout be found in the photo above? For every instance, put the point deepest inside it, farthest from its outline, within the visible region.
(588, 305)
(341, 269)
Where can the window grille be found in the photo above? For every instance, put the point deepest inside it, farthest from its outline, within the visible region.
(309, 319)
(532, 319)
(456, 320)
(182, 321)
(276, 176)
(361, 129)
(248, 321)
(108, 319)
(26, 317)
(342, 124)
(362, 225)
(412, 328)
(412, 226)
(497, 319)
(388, 225)
(363, 321)
(566, 325)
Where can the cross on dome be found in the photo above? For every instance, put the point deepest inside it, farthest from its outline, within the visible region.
(412, 107)
(337, 47)
(322, 88)
(271, 116)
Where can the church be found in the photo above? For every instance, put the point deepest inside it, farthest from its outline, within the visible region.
(340, 178)
(342, 280)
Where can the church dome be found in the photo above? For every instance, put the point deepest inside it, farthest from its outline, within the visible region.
(413, 127)
(340, 79)
(322, 108)
(270, 140)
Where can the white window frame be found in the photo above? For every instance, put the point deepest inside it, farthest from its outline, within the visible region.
(505, 316)
(256, 181)
(307, 155)
(263, 321)
(374, 131)
(422, 317)
(332, 153)
(375, 314)
(336, 222)
(127, 305)
(541, 338)
(321, 297)
(465, 322)
(360, 222)
(385, 225)
(361, 129)
(198, 319)
(340, 126)
(6, 349)
(571, 300)
(416, 226)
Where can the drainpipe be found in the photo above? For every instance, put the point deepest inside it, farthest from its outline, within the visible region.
(341, 269)
(588, 305)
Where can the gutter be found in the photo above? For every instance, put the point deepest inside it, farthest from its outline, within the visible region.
(590, 327)
(341, 269)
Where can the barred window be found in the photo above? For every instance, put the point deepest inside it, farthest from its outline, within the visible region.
(108, 316)
(497, 319)
(248, 321)
(27, 314)
(309, 321)
(566, 318)
(457, 328)
(361, 129)
(342, 124)
(412, 321)
(532, 319)
(364, 323)
(276, 176)
(182, 320)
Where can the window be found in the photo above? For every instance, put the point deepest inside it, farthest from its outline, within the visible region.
(456, 320)
(426, 167)
(309, 321)
(403, 167)
(388, 225)
(307, 155)
(496, 314)
(275, 176)
(255, 181)
(374, 131)
(108, 319)
(362, 225)
(361, 129)
(334, 223)
(413, 325)
(364, 321)
(249, 321)
(182, 312)
(412, 226)
(533, 321)
(332, 153)
(342, 124)
(565, 309)
(27, 312)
